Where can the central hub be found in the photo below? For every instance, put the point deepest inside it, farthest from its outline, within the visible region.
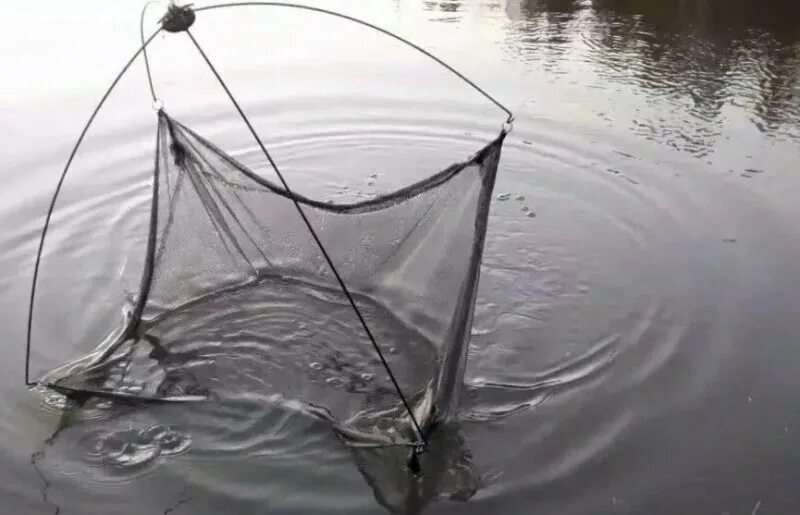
(178, 18)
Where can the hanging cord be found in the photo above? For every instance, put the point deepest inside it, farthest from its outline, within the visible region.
(416, 47)
(328, 259)
(60, 183)
(144, 52)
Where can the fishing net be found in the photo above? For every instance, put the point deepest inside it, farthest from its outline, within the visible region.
(236, 290)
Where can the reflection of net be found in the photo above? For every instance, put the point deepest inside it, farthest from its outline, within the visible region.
(218, 229)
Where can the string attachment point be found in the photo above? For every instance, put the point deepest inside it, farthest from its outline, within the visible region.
(508, 125)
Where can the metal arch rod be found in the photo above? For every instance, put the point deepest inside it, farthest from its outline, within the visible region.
(57, 191)
(374, 27)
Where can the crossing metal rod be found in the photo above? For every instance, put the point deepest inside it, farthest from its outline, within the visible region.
(314, 235)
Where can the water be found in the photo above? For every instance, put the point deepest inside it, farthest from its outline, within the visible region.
(273, 341)
(634, 348)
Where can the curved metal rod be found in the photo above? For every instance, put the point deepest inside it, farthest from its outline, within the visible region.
(374, 27)
(60, 183)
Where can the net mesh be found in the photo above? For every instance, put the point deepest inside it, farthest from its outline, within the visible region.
(236, 291)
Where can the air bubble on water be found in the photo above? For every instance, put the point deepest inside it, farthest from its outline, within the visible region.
(174, 443)
(149, 435)
(103, 404)
(520, 197)
(367, 376)
(122, 449)
(392, 350)
(169, 440)
(335, 382)
(55, 400)
(316, 365)
(130, 455)
(92, 445)
(504, 196)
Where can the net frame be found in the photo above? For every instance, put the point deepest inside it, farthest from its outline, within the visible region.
(179, 19)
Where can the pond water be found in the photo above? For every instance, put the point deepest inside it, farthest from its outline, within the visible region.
(635, 344)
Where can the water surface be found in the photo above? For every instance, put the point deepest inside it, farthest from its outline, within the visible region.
(635, 341)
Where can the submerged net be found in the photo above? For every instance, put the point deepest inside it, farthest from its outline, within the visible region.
(235, 290)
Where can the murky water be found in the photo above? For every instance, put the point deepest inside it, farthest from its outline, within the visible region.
(635, 343)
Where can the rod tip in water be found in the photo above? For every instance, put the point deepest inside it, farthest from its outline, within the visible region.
(413, 463)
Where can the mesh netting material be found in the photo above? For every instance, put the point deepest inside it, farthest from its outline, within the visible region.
(219, 231)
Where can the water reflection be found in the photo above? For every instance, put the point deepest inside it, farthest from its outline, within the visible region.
(447, 11)
(711, 51)
(448, 6)
(536, 7)
(551, 17)
(695, 58)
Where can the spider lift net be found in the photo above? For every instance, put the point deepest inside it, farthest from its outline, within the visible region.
(236, 296)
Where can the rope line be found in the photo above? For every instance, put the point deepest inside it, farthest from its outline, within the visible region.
(60, 183)
(144, 51)
(377, 28)
(324, 252)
